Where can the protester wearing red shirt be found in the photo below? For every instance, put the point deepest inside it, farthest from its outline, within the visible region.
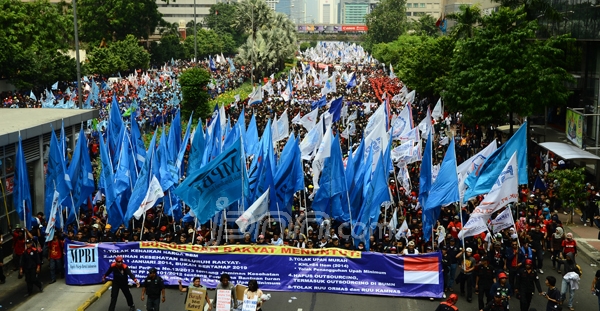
(18, 246)
(55, 256)
(569, 245)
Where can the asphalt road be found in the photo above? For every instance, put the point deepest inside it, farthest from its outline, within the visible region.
(296, 301)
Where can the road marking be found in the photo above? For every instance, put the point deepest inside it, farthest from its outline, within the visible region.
(299, 309)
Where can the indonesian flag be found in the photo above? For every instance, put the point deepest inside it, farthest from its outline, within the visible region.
(421, 270)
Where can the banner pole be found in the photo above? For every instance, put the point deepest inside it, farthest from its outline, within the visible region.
(5, 205)
(195, 226)
(142, 231)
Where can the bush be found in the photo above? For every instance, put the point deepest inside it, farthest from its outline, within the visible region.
(194, 83)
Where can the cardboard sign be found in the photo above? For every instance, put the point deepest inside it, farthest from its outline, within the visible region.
(195, 299)
(250, 304)
(239, 291)
(223, 300)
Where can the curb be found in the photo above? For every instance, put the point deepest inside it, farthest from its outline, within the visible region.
(95, 297)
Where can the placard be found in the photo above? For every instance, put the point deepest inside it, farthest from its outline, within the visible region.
(250, 304)
(223, 300)
(195, 299)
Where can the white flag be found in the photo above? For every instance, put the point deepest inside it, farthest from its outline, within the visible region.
(403, 231)
(410, 97)
(310, 119)
(154, 193)
(256, 212)
(349, 131)
(403, 122)
(323, 153)
(503, 220)
(474, 226)
(472, 164)
(353, 116)
(256, 96)
(438, 110)
(281, 127)
(52, 217)
(504, 191)
(297, 119)
(312, 141)
(425, 125)
(392, 75)
(394, 221)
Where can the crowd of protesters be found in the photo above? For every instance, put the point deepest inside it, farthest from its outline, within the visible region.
(492, 267)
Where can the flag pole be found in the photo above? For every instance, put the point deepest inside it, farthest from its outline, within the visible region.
(76, 211)
(143, 224)
(172, 212)
(5, 205)
(195, 226)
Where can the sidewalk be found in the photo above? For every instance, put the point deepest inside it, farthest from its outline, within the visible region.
(56, 297)
(586, 237)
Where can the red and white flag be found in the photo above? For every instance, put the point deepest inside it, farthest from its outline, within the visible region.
(421, 270)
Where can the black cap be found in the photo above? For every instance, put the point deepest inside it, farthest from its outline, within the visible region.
(152, 270)
(29, 241)
(498, 294)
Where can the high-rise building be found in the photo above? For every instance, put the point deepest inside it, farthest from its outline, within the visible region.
(328, 12)
(183, 10)
(354, 11)
(418, 8)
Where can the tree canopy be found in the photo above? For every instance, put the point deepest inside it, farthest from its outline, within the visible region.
(32, 36)
(118, 56)
(502, 70)
(194, 83)
(271, 37)
(386, 22)
(113, 20)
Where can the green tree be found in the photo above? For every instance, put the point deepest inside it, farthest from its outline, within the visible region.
(168, 47)
(194, 83)
(430, 66)
(386, 22)
(209, 43)
(119, 56)
(32, 36)
(271, 37)
(115, 19)
(503, 71)
(466, 20)
(425, 26)
(399, 52)
(222, 19)
(570, 190)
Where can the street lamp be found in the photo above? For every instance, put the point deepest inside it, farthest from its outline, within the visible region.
(79, 90)
(195, 36)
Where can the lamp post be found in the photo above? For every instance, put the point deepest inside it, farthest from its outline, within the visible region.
(195, 36)
(79, 90)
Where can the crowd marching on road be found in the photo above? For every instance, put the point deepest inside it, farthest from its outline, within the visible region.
(496, 266)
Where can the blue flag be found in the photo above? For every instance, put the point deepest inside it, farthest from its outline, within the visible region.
(375, 194)
(336, 108)
(251, 138)
(175, 130)
(481, 180)
(183, 147)
(115, 127)
(289, 177)
(215, 186)
(115, 218)
(167, 170)
(352, 81)
(141, 185)
(197, 149)
(56, 178)
(426, 176)
(81, 174)
(123, 181)
(356, 193)
(21, 193)
(138, 144)
(320, 103)
(443, 191)
(211, 63)
(332, 184)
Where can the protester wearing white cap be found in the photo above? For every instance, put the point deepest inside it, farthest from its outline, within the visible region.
(466, 273)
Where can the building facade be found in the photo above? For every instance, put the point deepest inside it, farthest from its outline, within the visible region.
(328, 11)
(183, 10)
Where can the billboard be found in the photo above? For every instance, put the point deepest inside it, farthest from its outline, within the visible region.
(574, 127)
